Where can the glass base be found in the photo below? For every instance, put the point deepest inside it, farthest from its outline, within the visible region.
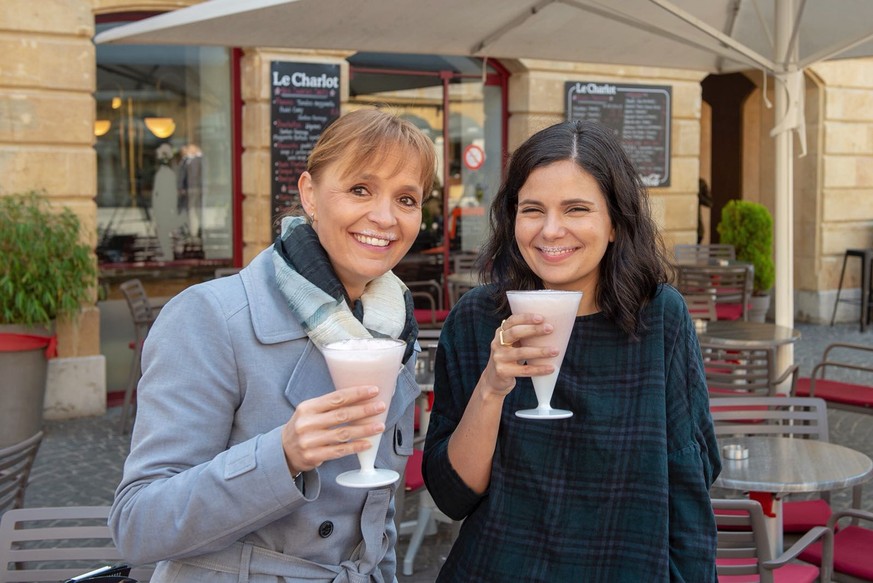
(544, 413)
(367, 479)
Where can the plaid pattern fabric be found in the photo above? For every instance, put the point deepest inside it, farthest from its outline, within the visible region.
(618, 492)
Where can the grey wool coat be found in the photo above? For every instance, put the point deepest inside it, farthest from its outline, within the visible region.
(206, 489)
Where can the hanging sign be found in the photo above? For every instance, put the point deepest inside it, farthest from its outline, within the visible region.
(474, 157)
(304, 99)
(639, 114)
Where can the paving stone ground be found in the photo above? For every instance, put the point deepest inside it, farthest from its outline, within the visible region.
(80, 460)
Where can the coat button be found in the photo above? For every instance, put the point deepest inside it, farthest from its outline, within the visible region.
(400, 438)
(326, 529)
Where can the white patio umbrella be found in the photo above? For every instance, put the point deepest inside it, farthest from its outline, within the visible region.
(779, 37)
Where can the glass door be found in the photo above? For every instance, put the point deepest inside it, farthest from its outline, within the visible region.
(463, 113)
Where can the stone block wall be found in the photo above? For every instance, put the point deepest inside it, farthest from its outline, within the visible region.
(257, 231)
(46, 122)
(844, 206)
(536, 100)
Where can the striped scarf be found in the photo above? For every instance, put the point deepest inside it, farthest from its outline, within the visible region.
(315, 295)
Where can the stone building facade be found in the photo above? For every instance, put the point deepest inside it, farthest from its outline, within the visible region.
(47, 114)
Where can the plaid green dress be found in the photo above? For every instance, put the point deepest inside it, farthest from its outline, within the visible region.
(619, 491)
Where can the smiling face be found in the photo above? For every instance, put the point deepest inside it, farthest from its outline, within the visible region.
(366, 218)
(563, 228)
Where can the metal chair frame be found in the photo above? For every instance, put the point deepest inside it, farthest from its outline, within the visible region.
(846, 356)
(703, 253)
(857, 517)
(428, 515)
(733, 371)
(727, 284)
(464, 261)
(743, 536)
(802, 417)
(16, 462)
(701, 307)
(55, 544)
(429, 287)
(143, 315)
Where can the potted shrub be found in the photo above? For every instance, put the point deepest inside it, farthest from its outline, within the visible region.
(748, 226)
(46, 272)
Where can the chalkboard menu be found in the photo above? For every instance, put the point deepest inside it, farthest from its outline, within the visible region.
(305, 98)
(639, 115)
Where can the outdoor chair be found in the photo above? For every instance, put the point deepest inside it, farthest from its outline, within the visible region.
(464, 261)
(853, 546)
(800, 417)
(428, 516)
(15, 463)
(429, 293)
(143, 316)
(729, 285)
(55, 544)
(459, 283)
(743, 554)
(701, 254)
(734, 371)
(841, 357)
(464, 276)
(701, 307)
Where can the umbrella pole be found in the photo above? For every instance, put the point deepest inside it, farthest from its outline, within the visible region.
(784, 183)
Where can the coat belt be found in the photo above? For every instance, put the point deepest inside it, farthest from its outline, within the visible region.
(362, 567)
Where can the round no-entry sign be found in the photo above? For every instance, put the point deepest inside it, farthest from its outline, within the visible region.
(474, 157)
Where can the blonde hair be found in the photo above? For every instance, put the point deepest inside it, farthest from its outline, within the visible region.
(366, 137)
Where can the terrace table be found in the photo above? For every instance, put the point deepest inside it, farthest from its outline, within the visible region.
(749, 334)
(783, 465)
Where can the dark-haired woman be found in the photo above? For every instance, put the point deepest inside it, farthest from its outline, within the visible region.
(619, 491)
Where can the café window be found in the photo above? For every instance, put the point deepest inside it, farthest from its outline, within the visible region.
(459, 103)
(164, 146)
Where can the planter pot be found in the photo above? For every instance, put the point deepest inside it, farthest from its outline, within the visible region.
(23, 366)
(759, 305)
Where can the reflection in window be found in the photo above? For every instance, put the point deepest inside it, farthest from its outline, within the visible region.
(163, 141)
(468, 140)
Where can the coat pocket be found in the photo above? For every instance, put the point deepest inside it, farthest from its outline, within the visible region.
(401, 415)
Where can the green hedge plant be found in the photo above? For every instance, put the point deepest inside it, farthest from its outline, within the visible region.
(748, 226)
(46, 271)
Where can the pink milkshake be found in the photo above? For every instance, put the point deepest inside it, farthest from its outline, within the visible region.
(366, 361)
(559, 309)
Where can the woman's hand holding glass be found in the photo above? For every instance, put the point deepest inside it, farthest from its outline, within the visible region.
(509, 359)
(332, 426)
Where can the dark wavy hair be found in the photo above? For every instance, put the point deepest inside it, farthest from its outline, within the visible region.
(634, 264)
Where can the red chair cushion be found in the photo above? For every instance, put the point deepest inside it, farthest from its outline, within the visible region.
(729, 311)
(728, 512)
(847, 393)
(414, 478)
(801, 515)
(747, 409)
(792, 573)
(852, 548)
(423, 316)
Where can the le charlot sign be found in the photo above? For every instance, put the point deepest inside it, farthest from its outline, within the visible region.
(305, 98)
(639, 114)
